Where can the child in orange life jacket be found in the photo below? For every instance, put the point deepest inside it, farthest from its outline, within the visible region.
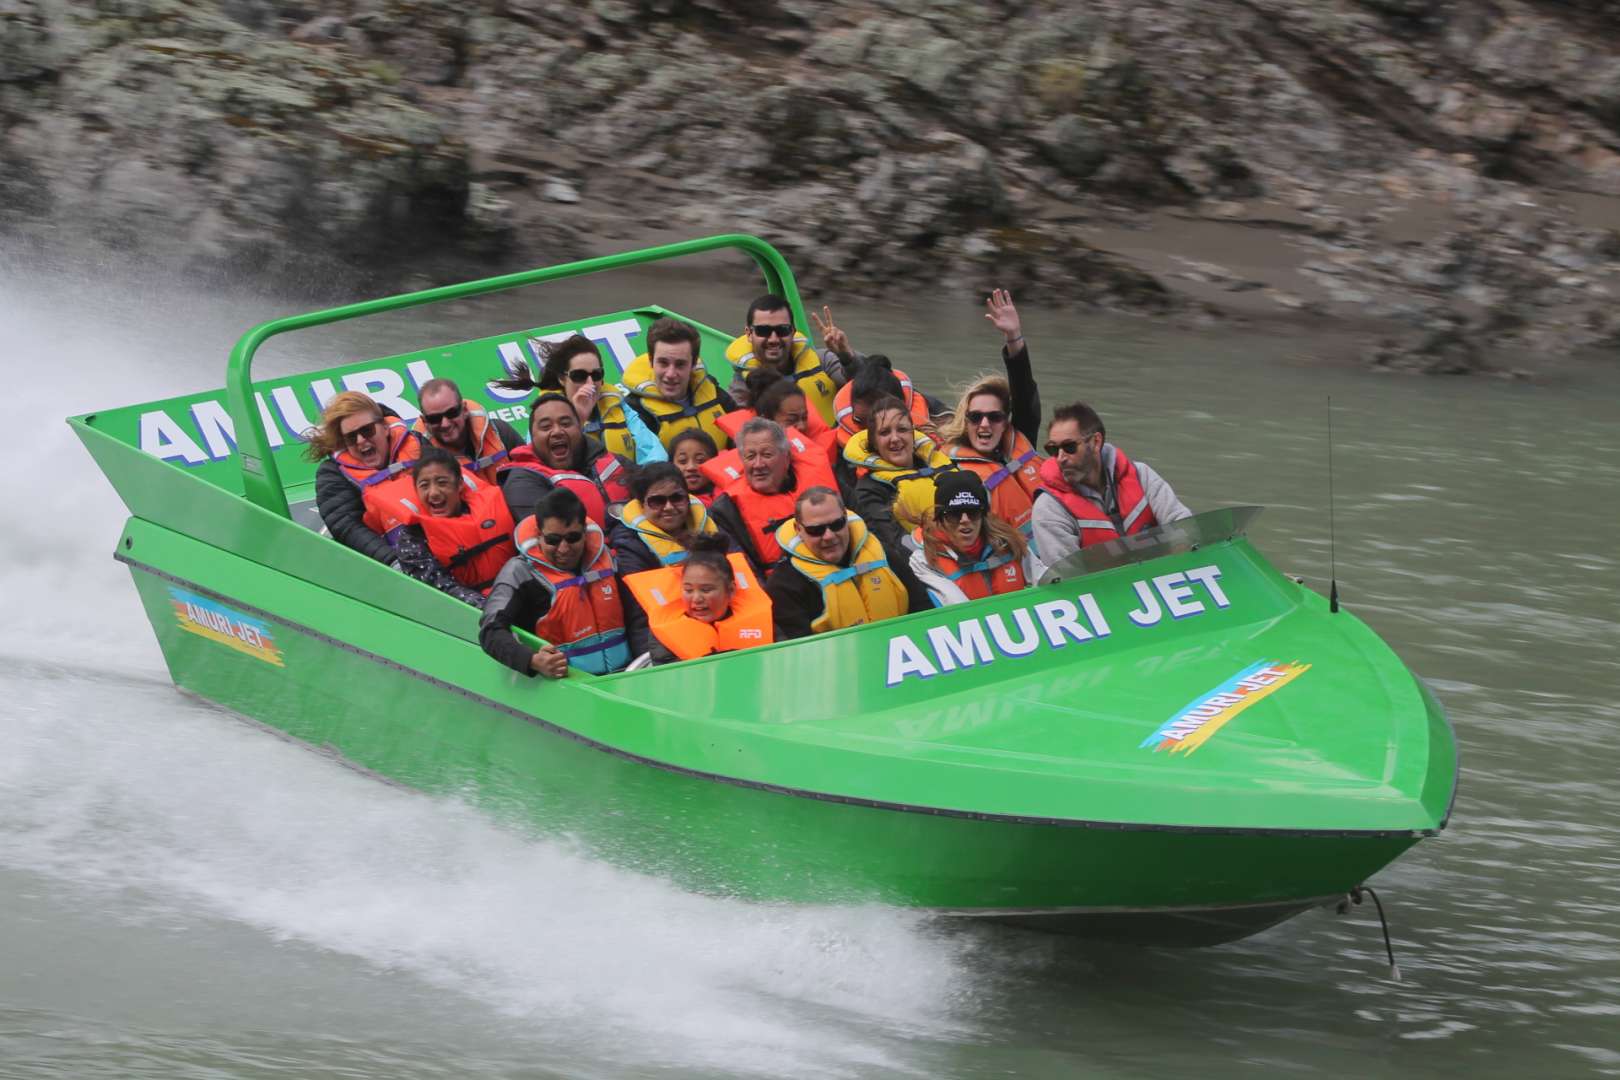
(563, 588)
(709, 602)
(965, 552)
(456, 533)
(687, 452)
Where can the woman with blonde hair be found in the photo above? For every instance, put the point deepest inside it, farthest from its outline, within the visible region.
(365, 458)
(996, 422)
(964, 552)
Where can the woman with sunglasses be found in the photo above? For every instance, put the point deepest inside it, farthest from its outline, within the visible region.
(964, 552)
(563, 587)
(573, 367)
(459, 533)
(996, 422)
(710, 602)
(897, 465)
(365, 457)
(656, 529)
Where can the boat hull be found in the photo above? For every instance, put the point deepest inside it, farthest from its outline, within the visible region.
(398, 712)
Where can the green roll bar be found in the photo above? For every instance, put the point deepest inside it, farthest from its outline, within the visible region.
(261, 479)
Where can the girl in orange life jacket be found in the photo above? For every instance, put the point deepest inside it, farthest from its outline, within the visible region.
(364, 455)
(711, 602)
(562, 587)
(966, 553)
(687, 452)
(560, 454)
(457, 532)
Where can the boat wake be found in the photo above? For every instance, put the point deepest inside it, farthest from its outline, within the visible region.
(144, 804)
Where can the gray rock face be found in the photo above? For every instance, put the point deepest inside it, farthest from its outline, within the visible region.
(1406, 154)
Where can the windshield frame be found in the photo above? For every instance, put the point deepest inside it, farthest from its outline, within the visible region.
(1172, 538)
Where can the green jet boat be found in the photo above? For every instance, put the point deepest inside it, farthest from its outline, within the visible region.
(1167, 741)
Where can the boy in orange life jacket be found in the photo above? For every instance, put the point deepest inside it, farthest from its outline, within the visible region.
(1091, 492)
(562, 587)
(964, 552)
(458, 533)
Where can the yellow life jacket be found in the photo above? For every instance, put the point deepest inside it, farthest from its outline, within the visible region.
(668, 419)
(913, 484)
(864, 591)
(607, 424)
(818, 387)
(666, 548)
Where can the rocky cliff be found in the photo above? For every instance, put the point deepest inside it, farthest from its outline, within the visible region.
(1445, 168)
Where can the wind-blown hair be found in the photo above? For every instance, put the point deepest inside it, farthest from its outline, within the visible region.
(327, 439)
(954, 430)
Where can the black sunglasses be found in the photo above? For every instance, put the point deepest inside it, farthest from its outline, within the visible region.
(553, 539)
(660, 502)
(579, 375)
(995, 416)
(1068, 446)
(434, 419)
(961, 512)
(765, 330)
(367, 432)
(821, 530)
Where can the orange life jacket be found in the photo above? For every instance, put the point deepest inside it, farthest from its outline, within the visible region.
(586, 619)
(603, 486)
(844, 407)
(490, 450)
(991, 573)
(1012, 484)
(747, 624)
(815, 428)
(475, 544)
(386, 491)
(726, 466)
(762, 514)
(1135, 513)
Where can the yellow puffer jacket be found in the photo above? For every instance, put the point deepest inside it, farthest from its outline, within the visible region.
(913, 484)
(864, 591)
(668, 419)
(819, 389)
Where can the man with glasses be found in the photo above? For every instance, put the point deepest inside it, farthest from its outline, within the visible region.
(479, 441)
(836, 573)
(769, 339)
(1091, 492)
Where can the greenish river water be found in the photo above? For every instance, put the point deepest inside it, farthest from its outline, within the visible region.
(184, 896)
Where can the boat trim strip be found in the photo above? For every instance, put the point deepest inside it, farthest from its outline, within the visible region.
(760, 785)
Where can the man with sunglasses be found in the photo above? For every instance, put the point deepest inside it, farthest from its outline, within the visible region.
(836, 572)
(1091, 492)
(479, 441)
(769, 339)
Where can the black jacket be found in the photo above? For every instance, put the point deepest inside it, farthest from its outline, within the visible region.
(1026, 396)
(343, 511)
(874, 501)
(416, 559)
(525, 487)
(519, 598)
(632, 555)
(796, 601)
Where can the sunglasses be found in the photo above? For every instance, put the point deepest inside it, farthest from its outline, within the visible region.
(821, 530)
(994, 417)
(1070, 447)
(961, 512)
(579, 375)
(434, 419)
(663, 502)
(368, 432)
(553, 539)
(765, 330)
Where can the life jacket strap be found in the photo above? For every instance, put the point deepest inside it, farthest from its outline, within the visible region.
(596, 643)
(467, 555)
(850, 573)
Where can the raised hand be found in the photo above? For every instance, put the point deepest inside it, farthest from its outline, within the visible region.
(1003, 315)
(834, 338)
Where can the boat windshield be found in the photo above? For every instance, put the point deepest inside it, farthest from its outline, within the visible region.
(1188, 534)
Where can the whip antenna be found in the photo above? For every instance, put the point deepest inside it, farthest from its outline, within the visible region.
(1333, 556)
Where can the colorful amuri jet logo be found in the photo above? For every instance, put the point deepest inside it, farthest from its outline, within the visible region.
(1196, 724)
(216, 622)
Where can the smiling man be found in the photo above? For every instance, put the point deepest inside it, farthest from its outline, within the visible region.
(560, 454)
(669, 389)
(753, 506)
(836, 573)
(451, 422)
(1091, 492)
(771, 340)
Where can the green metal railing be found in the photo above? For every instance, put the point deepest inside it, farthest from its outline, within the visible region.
(261, 479)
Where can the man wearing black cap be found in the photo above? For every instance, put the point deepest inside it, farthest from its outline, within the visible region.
(963, 551)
